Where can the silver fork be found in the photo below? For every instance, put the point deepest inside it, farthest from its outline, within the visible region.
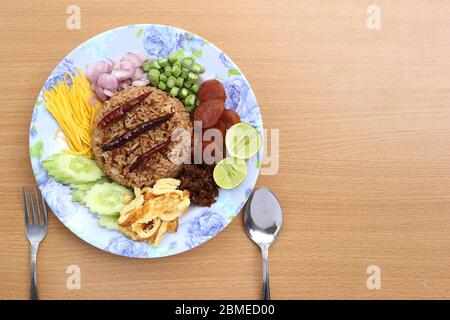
(35, 229)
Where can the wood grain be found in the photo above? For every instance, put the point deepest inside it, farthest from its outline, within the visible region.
(364, 174)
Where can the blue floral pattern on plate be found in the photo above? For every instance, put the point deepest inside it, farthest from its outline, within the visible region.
(199, 224)
(126, 247)
(204, 227)
(65, 66)
(226, 61)
(162, 41)
(97, 48)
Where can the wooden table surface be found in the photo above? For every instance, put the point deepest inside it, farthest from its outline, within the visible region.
(364, 177)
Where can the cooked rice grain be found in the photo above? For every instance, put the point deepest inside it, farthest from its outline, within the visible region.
(116, 162)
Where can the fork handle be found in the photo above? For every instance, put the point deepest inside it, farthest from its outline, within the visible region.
(33, 287)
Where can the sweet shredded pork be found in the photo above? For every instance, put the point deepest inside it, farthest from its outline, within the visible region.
(198, 179)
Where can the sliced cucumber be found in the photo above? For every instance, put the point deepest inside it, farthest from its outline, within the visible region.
(79, 190)
(109, 222)
(78, 195)
(106, 198)
(82, 186)
(86, 186)
(72, 169)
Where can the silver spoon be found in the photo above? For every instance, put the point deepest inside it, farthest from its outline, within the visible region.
(262, 222)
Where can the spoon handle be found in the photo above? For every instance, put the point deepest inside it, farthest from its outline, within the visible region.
(266, 287)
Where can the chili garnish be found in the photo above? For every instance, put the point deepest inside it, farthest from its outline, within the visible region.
(121, 110)
(133, 133)
(147, 155)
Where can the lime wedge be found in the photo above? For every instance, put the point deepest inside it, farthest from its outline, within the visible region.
(230, 172)
(242, 141)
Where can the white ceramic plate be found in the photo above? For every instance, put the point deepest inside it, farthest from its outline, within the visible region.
(199, 224)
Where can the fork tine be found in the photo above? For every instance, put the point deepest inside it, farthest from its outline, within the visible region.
(26, 205)
(44, 209)
(33, 210)
(38, 207)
